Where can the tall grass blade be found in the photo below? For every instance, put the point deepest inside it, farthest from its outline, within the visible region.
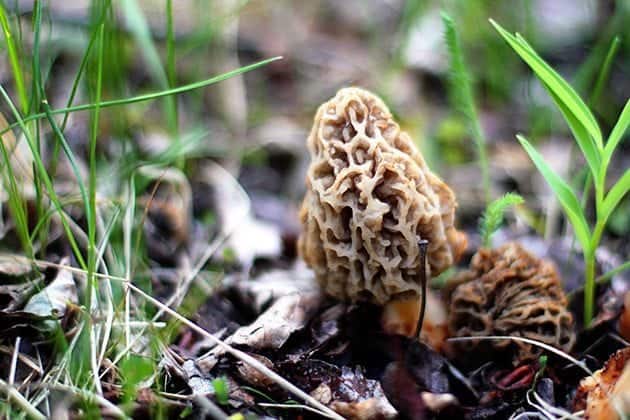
(41, 169)
(605, 71)
(588, 148)
(148, 96)
(17, 206)
(614, 197)
(563, 192)
(617, 133)
(554, 83)
(14, 59)
(147, 48)
(94, 126)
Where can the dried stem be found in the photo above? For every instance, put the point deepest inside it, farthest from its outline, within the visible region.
(423, 244)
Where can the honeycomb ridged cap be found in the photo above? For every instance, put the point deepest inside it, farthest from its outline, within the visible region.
(370, 198)
(509, 292)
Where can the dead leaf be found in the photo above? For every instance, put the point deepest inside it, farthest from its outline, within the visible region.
(624, 318)
(247, 237)
(293, 296)
(42, 307)
(357, 397)
(54, 298)
(253, 376)
(607, 393)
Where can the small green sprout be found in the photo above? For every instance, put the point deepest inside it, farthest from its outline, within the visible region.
(221, 390)
(493, 216)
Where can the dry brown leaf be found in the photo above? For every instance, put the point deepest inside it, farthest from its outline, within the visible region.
(607, 393)
(293, 295)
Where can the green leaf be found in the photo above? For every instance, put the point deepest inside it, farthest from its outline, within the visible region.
(614, 196)
(617, 133)
(145, 97)
(588, 148)
(493, 216)
(563, 192)
(564, 93)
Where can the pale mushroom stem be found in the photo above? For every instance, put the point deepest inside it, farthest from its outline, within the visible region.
(423, 244)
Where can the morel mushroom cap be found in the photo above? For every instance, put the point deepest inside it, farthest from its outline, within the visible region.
(370, 198)
(509, 292)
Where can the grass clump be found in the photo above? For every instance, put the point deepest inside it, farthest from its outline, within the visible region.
(97, 218)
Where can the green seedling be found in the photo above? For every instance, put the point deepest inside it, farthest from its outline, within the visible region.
(493, 216)
(597, 153)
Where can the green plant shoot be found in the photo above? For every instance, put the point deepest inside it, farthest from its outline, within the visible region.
(597, 153)
(493, 216)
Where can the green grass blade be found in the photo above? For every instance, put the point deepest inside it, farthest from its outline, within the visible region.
(14, 60)
(461, 93)
(563, 193)
(41, 169)
(148, 96)
(588, 148)
(614, 196)
(71, 158)
(17, 206)
(170, 49)
(142, 34)
(605, 71)
(90, 210)
(617, 133)
(554, 82)
(566, 92)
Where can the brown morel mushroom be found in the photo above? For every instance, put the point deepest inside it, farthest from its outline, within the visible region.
(509, 292)
(370, 199)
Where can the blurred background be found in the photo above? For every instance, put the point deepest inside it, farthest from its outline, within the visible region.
(256, 124)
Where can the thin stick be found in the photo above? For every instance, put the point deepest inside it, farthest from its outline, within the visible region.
(528, 341)
(423, 244)
(298, 406)
(14, 361)
(114, 410)
(288, 386)
(24, 359)
(210, 408)
(19, 399)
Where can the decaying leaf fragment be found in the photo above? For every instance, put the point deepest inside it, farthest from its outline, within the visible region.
(354, 396)
(509, 292)
(41, 308)
(292, 297)
(606, 394)
(624, 317)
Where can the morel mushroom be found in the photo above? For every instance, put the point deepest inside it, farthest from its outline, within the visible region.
(509, 292)
(370, 199)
